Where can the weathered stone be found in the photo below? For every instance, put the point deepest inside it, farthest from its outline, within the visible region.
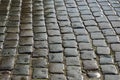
(25, 49)
(40, 36)
(26, 41)
(7, 63)
(21, 70)
(71, 52)
(55, 39)
(87, 54)
(99, 43)
(68, 36)
(40, 53)
(90, 65)
(55, 48)
(56, 57)
(94, 74)
(103, 50)
(72, 61)
(106, 59)
(58, 77)
(85, 46)
(83, 38)
(117, 56)
(109, 69)
(56, 68)
(39, 63)
(112, 77)
(69, 43)
(9, 52)
(23, 59)
(5, 75)
(15, 77)
(40, 73)
(40, 44)
(115, 47)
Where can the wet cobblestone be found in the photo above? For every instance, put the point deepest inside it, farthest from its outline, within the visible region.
(59, 39)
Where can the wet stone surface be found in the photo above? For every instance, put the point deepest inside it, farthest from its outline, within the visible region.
(59, 39)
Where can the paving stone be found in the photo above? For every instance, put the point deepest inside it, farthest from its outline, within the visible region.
(80, 32)
(109, 69)
(8, 52)
(86, 12)
(90, 65)
(12, 36)
(25, 49)
(106, 59)
(2, 29)
(23, 59)
(83, 38)
(112, 39)
(11, 44)
(87, 54)
(94, 74)
(55, 57)
(21, 70)
(40, 53)
(69, 43)
(99, 43)
(105, 25)
(39, 63)
(85, 46)
(112, 77)
(90, 23)
(13, 30)
(115, 47)
(40, 44)
(74, 73)
(101, 19)
(92, 29)
(97, 35)
(77, 25)
(40, 36)
(2, 37)
(55, 39)
(56, 68)
(26, 41)
(113, 18)
(117, 56)
(5, 75)
(75, 19)
(58, 77)
(39, 29)
(38, 23)
(70, 52)
(7, 63)
(108, 32)
(87, 17)
(115, 24)
(15, 77)
(55, 48)
(97, 14)
(40, 73)
(103, 50)
(26, 33)
(72, 61)
(109, 12)
(117, 30)
(53, 32)
(25, 26)
(66, 30)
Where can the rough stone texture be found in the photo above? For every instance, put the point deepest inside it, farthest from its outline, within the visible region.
(110, 69)
(59, 39)
(90, 65)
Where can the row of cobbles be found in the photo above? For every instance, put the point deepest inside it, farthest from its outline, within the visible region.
(59, 39)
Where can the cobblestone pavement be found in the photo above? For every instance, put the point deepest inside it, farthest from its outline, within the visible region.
(59, 39)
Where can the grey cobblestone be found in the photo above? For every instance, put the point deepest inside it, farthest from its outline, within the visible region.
(109, 69)
(59, 39)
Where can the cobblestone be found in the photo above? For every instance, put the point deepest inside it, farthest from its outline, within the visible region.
(59, 39)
